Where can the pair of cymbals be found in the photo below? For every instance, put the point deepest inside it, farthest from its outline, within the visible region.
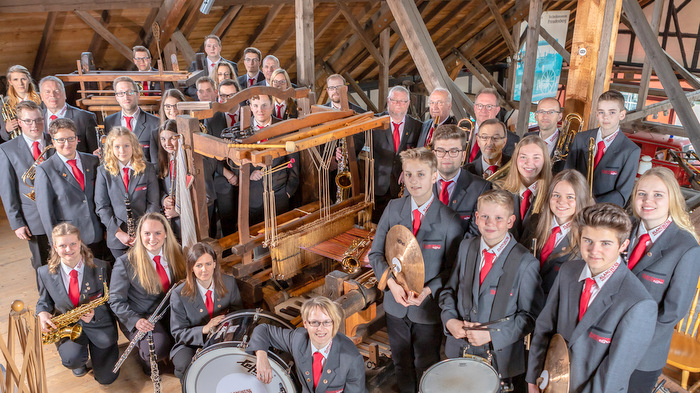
(556, 373)
(403, 254)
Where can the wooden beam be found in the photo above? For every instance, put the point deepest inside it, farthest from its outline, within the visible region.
(44, 44)
(533, 37)
(282, 41)
(191, 18)
(477, 74)
(184, 46)
(385, 47)
(426, 57)
(654, 54)
(555, 45)
(360, 32)
(304, 21)
(360, 92)
(691, 79)
(97, 41)
(260, 30)
(658, 107)
(38, 6)
(501, 24)
(169, 16)
(224, 22)
(104, 33)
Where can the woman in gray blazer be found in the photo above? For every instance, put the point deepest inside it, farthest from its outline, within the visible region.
(199, 304)
(126, 188)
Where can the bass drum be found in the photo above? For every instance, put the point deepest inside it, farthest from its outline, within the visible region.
(470, 374)
(222, 365)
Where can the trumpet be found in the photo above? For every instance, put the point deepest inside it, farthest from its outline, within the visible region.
(8, 114)
(63, 321)
(561, 151)
(30, 173)
(591, 164)
(343, 179)
(351, 257)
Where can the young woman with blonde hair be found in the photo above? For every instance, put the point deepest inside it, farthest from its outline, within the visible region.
(19, 88)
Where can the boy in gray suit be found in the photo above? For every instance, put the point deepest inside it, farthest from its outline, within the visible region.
(413, 319)
(601, 309)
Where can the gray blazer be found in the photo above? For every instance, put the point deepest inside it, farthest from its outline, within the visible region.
(613, 178)
(477, 168)
(387, 163)
(463, 201)
(85, 122)
(243, 79)
(438, 237)
(512, 287)
(53, 298)
(15, 159)
(669, 271)
(128, 300)
(343, 371)
(188, 315)
(146, 130)
(59, 197)
(607, 344)
(144, 196)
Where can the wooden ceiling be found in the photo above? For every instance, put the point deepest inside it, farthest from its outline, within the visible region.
(48, 37)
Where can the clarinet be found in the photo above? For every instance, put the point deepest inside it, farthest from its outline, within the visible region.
(155, 317)
(155, 373)
(130, 221)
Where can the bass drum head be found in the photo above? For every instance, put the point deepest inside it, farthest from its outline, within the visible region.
(470, 374)
(238, 326)
(225, 368)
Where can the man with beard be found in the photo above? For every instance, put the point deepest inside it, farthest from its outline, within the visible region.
(490, 141)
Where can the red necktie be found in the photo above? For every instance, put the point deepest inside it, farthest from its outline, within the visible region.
(397, 136)
(251, 81)
(210, 304)
(127, 120)
(491, 170)
(444, 193)
(77, 173)
(416, 221)
(73, 290)
(172, 170)
(525, 203)
(430, 136)
(585, 298)
(474, 152)
(549, 245)
(639, 250)
(126, 179)
(279, 110)
(53, 117)
(317, 367)
(488, 263)
(213, 65)
(161, 273)
(232, 117)
(35, 150)
(599, 153)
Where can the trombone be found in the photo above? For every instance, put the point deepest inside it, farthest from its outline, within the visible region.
(467, 125)
(561, 151)
(30, 173)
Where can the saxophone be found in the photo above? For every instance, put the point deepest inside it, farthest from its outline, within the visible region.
(343, 179)
(63, 321)
(351, 257)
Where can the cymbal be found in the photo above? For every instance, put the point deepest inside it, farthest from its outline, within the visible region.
(557, 366)
(403, 254)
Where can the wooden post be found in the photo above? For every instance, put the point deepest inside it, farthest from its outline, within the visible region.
(533, 36)
(589, 33)
(655, 55)
(384, 48)
(426, 57)
(44, 44)
(186, 126)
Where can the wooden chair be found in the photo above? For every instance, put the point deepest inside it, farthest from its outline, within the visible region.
(685, 346)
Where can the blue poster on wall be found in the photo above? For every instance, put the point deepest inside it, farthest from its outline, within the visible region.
(549, 62)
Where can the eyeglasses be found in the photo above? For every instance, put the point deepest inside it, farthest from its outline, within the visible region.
(227, 96)
(398, 101)
(281, 82)
(141, 58)
(486, 138)
(438, 103)
(224, 74)
(326, 323)
(334, 88)
(452, 152)
(168, 107)
(251, 60)
(487, 107)
(124, 93)
(70, 139)
(32, 121)
(548, 113)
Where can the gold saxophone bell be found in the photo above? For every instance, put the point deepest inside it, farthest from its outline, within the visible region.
(65, 323)
(343, 179)
(30, 173)
(70, 332)
(561, 150)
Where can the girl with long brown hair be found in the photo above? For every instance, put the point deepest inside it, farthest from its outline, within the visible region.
(20, 88)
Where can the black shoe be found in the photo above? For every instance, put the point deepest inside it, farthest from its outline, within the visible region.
(80, 371)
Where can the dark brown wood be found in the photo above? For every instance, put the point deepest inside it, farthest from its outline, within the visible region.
(44, 44)
(36, 6)
(385, 48)
(533, 35)
(501, 24)
(97, 43)
(191, 17)
(206, 109)
(186, 126)
(260, 30)
(223, 23)
(183, 45)
(356, 87)
(104, 33)
(360, 33)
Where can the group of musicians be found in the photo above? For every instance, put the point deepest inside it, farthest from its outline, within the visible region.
(103, 211)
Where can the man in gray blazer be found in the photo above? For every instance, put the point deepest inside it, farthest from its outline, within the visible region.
(138, 121)
(16, 156)
(212, 47)
(440, 105)
(326, 361)
(335, 86)
(53, 95)
(251, 59)
(548, 116)
(456, 188)
(65, 187)
(487, 106)
(600, 308)
(413, 320)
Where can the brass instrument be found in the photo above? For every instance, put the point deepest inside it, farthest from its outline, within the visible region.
(203, 128)
(561, 150)
(101, 139)
(65, 323)
(469, 129)
(155, 317)
(351, 257)
(8, 114)
(557, 367)
(343, 179)
(30, 173)
(130, 220)
(501, 173)
(591, 164)
(429, 137)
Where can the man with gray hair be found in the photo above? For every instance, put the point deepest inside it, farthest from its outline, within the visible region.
(53, 95)
(269, 64)
(439, 105)
(486, 106)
